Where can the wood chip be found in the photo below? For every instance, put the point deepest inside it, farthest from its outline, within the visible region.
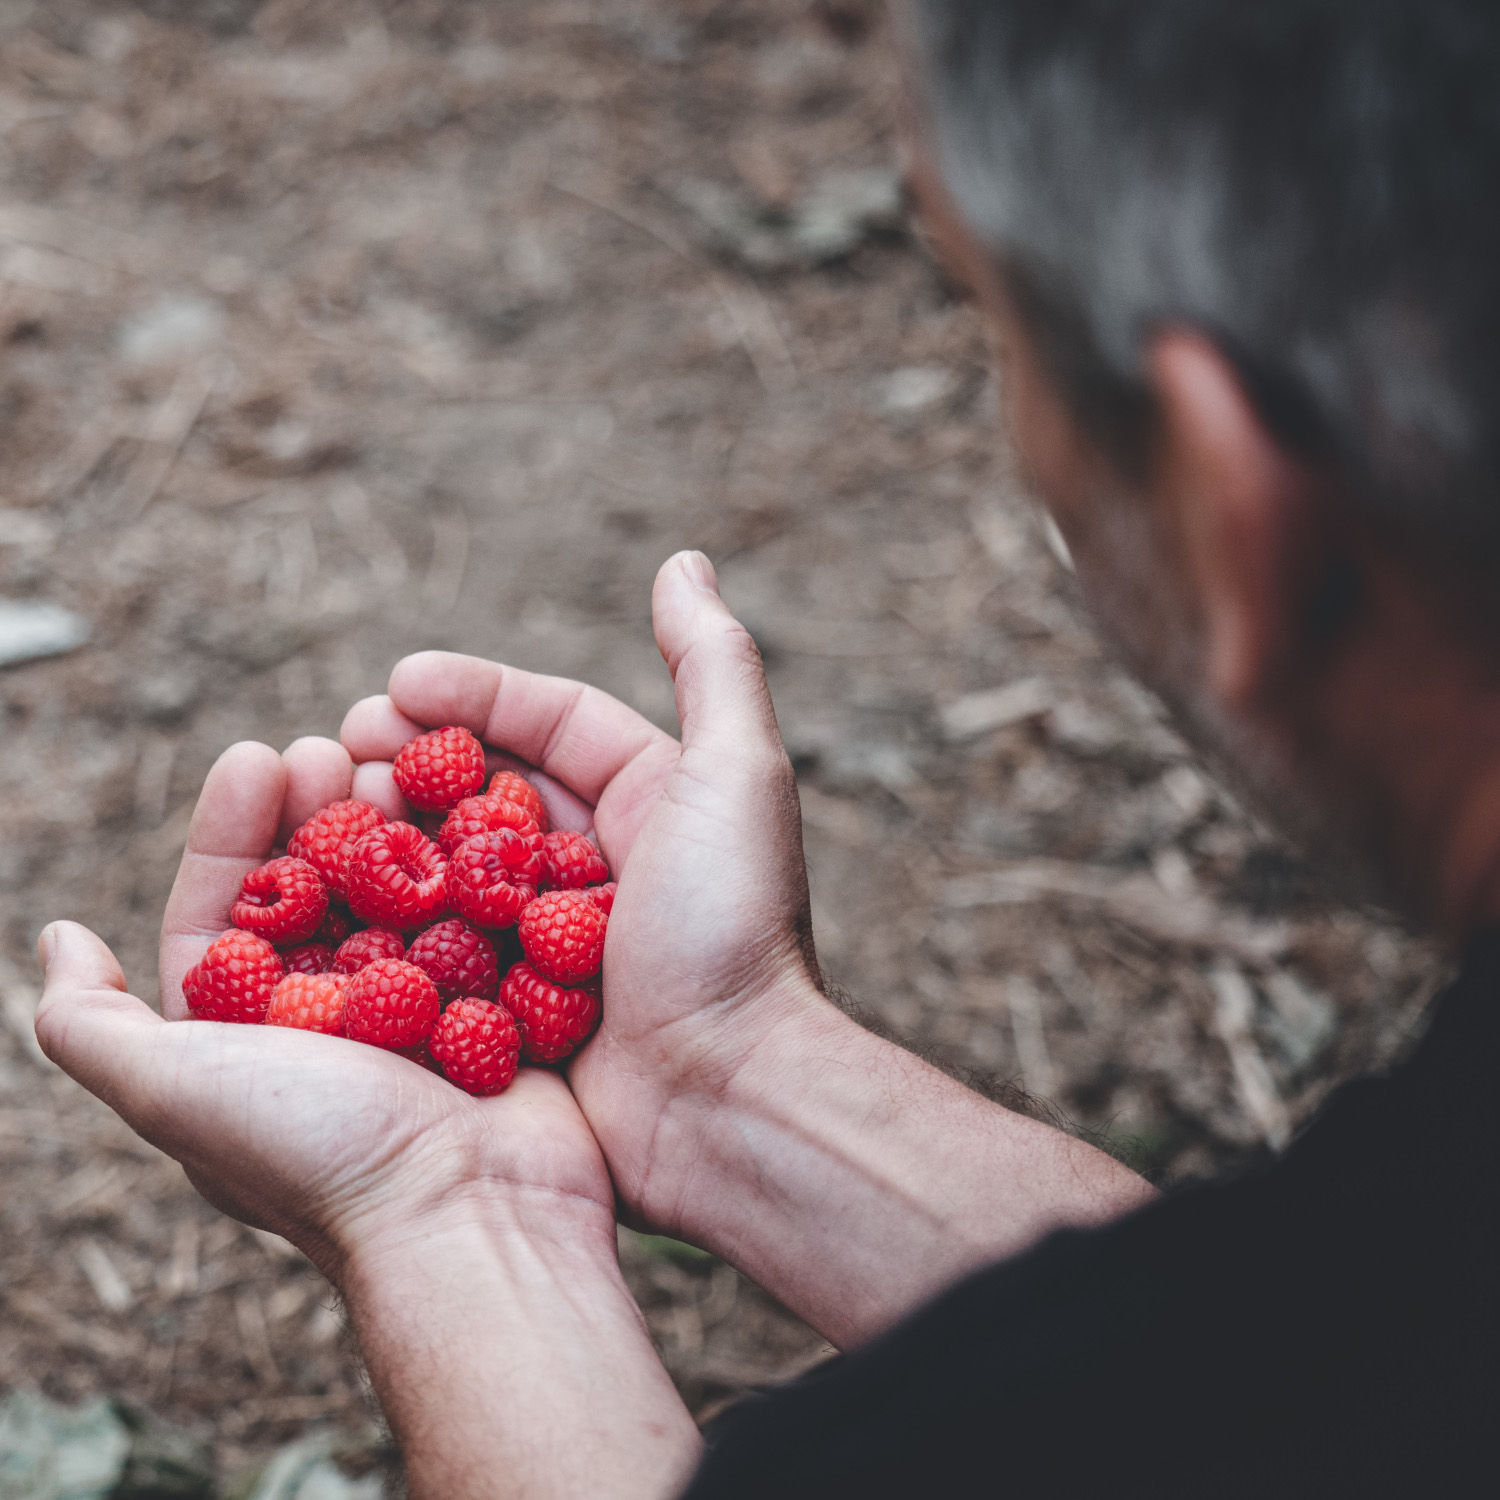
(1024, 1002)
(1234, 1012)
(1137, 901)
(110, 1287)
(975, 714)
(180, 1275)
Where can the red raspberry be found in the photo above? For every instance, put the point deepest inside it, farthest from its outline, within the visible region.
(365, 947)
(572, 861)
(514, 787)
(604, 896)
(325, 840)
(562, 935)
(395, 876)
(437, 770)
(553, 1021)
(458, 960)
(283, 901)
(390, 1004)
(310, 1002)
(492, 876)
(234, 979)
(308, 958)
(476, 1044)
(486, 814)
(336, 925)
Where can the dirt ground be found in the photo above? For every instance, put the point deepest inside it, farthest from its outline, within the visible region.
(333, 329)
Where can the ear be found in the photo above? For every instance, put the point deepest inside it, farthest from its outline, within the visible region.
(1252, 523)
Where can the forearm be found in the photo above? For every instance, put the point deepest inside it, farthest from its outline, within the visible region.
(853, 1181)
(515, 1364)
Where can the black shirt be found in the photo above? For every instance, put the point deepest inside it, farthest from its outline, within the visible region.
(1326, 1326)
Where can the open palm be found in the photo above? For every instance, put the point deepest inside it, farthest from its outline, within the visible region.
(710, 925)
(315, 1137)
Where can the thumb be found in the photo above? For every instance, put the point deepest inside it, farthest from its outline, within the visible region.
(86, 1021)
(723, 702)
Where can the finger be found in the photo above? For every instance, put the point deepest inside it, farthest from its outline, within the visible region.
(375, 729)
(318, 771)
(374, 783)
(581, 737)
(723, 702)
(233, 830)
(86, 1022)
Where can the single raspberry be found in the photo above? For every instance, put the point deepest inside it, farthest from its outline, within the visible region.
(365, 947)
(283, 901)
(458, 960)
(336, 925)
(476, 1044)
(604, 896)
(310, 1002)
(308, 958)
(562, 935)
(396, 876)
(553, 1021)
(492, 876)
(390, 1004)
(234, 979)
(572, 862)
(486, 814)
(437, 770)
(514, 787)
(325, 840)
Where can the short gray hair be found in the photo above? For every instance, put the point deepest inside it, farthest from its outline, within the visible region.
(1313, 183)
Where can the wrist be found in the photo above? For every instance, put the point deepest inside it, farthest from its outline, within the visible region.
(501, 1340)
(481, 1225)
(761, 1060)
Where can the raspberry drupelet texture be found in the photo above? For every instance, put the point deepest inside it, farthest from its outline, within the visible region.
(492, 876)
(326, 838)
(572, 862)
(562, 935)
(460, 961)
(514, 787)
(391, 1004)
(361, 948)
(309, 1002)
(477, 1045)
(308, 958)
(233, 981)
(396, 877)
(553, 1021)
(283, 901)
(437, 770)
(487, 814)
(604, 896)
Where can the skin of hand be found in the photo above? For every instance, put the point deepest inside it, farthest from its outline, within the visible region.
(710, 936)
(386, 1181)
(735, 1105)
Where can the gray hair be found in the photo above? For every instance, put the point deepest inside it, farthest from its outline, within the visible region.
(1313, 183)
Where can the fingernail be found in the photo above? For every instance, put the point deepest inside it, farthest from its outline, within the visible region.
(701, 571)
(46, 944)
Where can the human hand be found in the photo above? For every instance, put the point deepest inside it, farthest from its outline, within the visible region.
(342, 1148)
(710, 938)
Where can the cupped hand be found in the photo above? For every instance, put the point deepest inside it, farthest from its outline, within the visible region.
(710, 938)
(334, 1144)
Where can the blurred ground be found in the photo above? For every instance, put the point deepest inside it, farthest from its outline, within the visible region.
(333, 330)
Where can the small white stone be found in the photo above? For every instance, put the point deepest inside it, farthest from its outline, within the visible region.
(32, 629)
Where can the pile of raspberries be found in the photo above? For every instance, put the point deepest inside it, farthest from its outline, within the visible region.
(371, 930)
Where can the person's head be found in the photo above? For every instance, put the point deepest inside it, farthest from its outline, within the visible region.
(1243, 260)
